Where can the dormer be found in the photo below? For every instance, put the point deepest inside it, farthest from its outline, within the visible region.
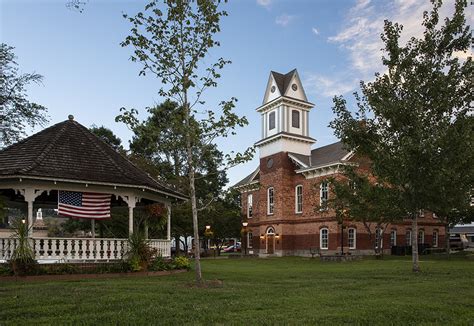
(285, 114)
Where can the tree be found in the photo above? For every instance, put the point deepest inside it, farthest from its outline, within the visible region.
(16, 111)
(172, 43)
(359, 197)
(414, 122)
(108, 137)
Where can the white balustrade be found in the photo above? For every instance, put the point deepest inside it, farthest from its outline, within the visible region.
(80, 249)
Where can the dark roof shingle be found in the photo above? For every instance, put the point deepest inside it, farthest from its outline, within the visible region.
(68, 150)
(283, 80)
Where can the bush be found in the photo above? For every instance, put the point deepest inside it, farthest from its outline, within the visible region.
(139, 255)
(159, 264)
(182, 262)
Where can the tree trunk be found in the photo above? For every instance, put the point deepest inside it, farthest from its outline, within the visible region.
(192, 193)
(414, 243)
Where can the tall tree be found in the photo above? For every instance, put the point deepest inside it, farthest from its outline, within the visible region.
(172, 41)
(16, 111)
(416, 127)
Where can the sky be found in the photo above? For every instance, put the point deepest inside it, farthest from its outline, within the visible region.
(332, 44)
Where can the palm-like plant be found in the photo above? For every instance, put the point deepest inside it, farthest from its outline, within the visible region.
(22, 258)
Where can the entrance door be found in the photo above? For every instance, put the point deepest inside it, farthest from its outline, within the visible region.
(270, 244)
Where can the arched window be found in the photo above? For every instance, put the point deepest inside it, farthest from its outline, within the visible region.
(393, 238)
(299, 199)
(249, 206)
(295, 118)
(270, 201)
(421, 237)
(324, 238)
(323, 194)
(270, 230)
(408, 238)
(351, 238)
(435, 238)
(271, 120)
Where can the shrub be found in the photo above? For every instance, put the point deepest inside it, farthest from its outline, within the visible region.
(182, 262)
(22, 261)
(139, 255)
(159, 264)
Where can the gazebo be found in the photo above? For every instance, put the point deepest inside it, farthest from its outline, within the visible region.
(68, 157)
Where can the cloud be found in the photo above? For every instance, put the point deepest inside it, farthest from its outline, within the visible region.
(264, 3)
(328, 86)
(284, 20)
(315, 31)
(364, 22)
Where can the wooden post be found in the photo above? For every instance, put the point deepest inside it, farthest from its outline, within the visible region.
(130, 219)
(168, 229)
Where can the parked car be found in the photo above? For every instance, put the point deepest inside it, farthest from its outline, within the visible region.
(233, 248)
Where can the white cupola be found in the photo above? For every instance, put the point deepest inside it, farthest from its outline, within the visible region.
(285, 113)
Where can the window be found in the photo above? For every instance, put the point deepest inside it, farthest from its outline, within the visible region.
(421, 236)
(249, 240)
(408, 238)
(393, 238)
(249, 205)
(434, 215)
(351, 239)
(295, 119)
(271, 121)
(422, 213)
(299, 199)
(323, 195)
(435, 238)
(378, 238)
(270, 201)
(323, 238)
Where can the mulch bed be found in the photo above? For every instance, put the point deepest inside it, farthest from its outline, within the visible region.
(79, 277)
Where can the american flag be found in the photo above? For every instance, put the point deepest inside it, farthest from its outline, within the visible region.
(84, 205)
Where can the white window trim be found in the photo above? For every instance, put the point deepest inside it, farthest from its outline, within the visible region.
(423, 236)
(395, 238)
(411, 235)
(299, 119)
(296, 199)
(321, 202)
(249, 204)
(437, 238)
(268, 201)
(321, 239)
(355, 238)
(249, 235)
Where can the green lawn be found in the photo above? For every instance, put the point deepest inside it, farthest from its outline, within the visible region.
(258, 291)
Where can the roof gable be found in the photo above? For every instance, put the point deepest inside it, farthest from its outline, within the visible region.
(280, 84)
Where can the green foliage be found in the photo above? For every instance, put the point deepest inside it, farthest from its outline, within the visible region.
(181, 263)
(108, 137)
(414, 122)
(22, 259)
(139, 254)
(17, 112)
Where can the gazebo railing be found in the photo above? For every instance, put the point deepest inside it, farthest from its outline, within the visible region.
(80, 249)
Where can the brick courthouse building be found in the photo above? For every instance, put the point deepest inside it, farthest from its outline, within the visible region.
(279, 199)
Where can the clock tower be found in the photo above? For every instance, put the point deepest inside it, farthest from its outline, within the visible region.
(285, 116)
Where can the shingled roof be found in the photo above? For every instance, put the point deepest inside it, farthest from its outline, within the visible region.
(283, 81)
(324, 155)
(332, 153)
(69, 151)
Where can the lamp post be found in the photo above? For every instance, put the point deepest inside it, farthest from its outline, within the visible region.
(207, 234)
(244, 238)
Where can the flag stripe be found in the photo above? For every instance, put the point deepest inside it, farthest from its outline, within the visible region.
(84, 205)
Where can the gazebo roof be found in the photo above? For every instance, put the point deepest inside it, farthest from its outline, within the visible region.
(68, 151)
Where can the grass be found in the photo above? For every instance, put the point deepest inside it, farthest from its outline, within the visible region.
(258, 291)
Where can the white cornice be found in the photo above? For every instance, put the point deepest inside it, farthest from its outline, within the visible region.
(294, 159)
(285, 99)
(323, 170)
(285, 135)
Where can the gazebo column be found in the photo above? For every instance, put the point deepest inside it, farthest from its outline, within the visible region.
(30, 195)
(168, 229)
(131, 200)
(130, 219)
